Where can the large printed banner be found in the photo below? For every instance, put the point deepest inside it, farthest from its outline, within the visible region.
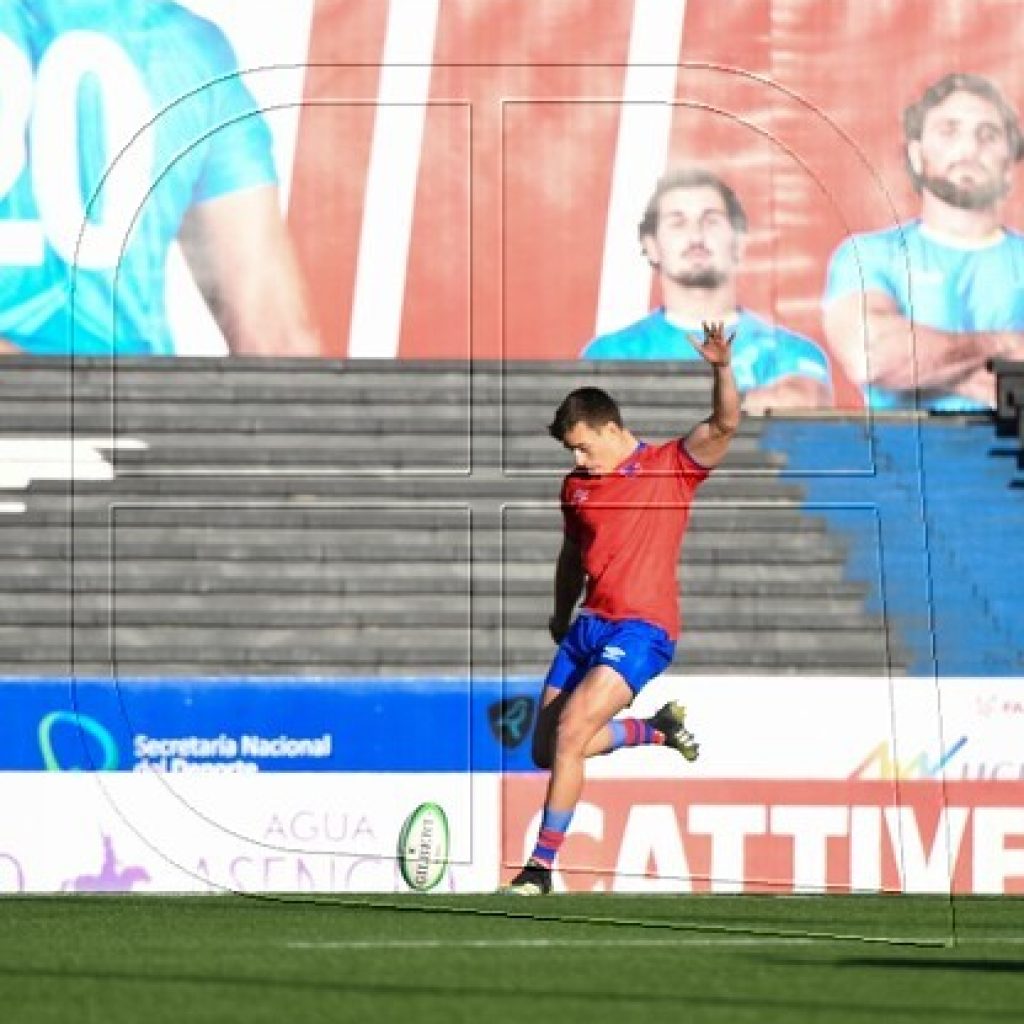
(802, 785)
(466, 179)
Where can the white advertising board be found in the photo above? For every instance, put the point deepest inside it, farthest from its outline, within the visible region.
(287, 832)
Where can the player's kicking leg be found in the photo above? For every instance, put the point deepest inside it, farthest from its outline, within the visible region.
(667, 727)
(596, 673)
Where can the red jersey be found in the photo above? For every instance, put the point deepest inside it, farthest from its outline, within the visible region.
(629, 526)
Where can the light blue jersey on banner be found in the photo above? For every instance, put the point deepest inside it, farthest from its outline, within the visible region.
(761, 352)
(961, 290)
(125, 114)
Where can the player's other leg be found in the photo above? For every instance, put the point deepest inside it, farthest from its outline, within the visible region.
(583, 715)
(568, 668)
(599, 668)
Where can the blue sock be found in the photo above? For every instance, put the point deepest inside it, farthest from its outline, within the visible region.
(553, 826)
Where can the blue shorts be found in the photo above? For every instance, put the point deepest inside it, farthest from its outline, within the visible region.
(637, 650)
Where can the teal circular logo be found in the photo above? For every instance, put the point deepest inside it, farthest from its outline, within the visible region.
(86, 726)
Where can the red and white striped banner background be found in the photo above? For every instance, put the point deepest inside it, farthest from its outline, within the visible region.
(468, 174)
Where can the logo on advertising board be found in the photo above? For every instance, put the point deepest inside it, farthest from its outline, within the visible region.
(306, 848)
(882, 763)
(511, 720)
(994, 705)
(69, 741)
(986, 765)
(112, 876)
(786, 835)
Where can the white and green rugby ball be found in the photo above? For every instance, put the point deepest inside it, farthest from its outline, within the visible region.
(423, 846)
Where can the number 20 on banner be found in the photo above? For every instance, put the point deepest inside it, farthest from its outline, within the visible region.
(39, 116)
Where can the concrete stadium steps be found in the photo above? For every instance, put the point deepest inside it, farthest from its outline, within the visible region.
(369, 488)
(171, 519)
(371, 518)
(331, 453)
(257, 384)
(84, 374)
(228, 451)
(363, 610)
(324, 641)
(342, 416)
(826, 592)
(51, 509)
(833, 663)
(366, 544)
(250, 571)
(300, 652)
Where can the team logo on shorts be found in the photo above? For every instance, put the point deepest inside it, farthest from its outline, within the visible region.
(613, 653)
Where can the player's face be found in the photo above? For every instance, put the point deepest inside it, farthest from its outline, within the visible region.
(963, 156)
(597, 450)
(694, 244)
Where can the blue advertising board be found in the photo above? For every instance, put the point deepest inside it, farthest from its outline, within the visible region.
(257, 724)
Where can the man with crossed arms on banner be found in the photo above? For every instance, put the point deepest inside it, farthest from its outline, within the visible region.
(914, 312)
(693, 234)
(126, 126)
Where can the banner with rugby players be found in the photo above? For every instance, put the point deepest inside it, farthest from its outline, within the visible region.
(470, 179)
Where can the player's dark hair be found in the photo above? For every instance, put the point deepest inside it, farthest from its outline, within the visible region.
(591, 406)
(960, 81)
(691, 177)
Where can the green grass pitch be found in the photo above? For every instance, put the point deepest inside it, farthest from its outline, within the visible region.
(149, 959)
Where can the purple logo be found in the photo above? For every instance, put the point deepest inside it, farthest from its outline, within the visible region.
(112, 877)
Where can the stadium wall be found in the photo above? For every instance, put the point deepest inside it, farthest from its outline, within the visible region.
(806, 785)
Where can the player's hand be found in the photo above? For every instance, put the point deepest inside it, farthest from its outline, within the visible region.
(715, 347)
(557, 628)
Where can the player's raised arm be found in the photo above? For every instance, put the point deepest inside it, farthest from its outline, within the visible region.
(708, 442)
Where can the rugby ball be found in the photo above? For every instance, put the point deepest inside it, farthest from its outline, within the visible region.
(423, 847)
